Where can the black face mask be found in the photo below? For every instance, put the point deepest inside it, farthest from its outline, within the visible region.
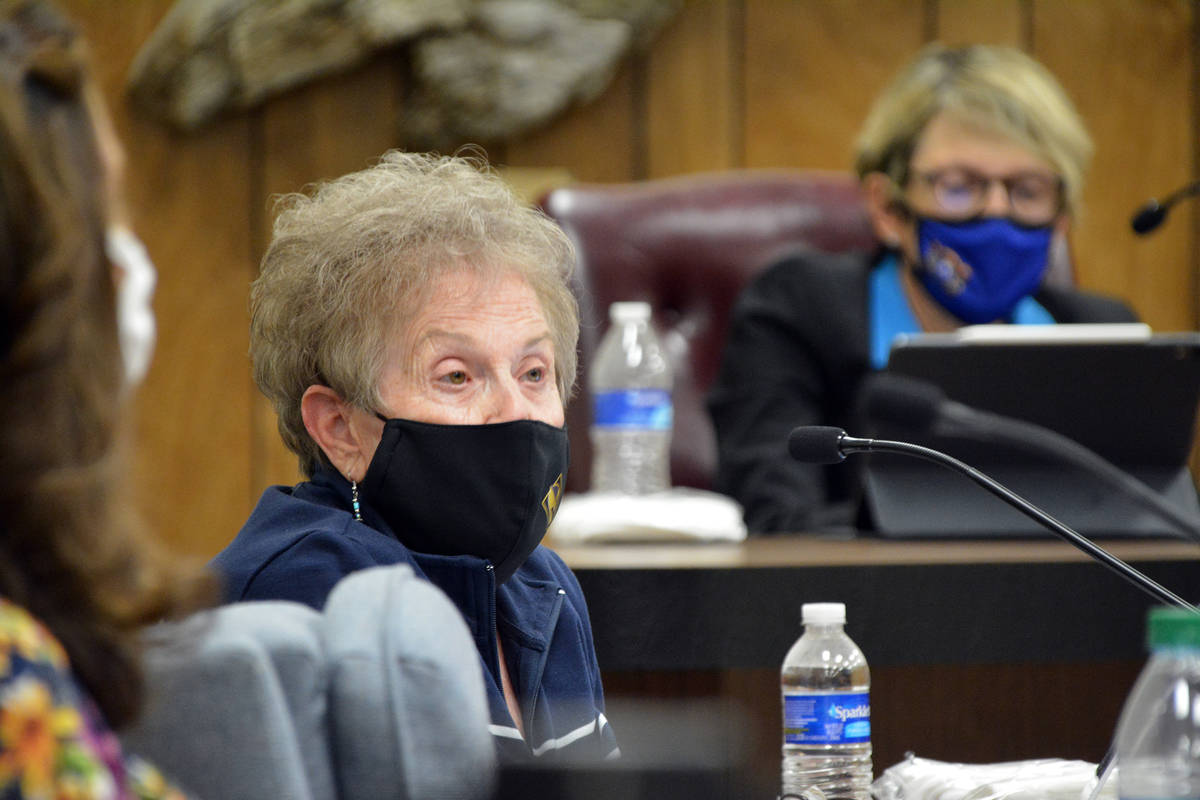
(483, 490)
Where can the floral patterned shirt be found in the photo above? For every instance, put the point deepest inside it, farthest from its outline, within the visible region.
(54, 745)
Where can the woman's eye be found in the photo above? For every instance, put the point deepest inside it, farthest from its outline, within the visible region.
(1027, 192)
(957, 193)
(456, 378)
(536, 374)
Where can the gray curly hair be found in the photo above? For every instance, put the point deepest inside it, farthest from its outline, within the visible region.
(353, 259)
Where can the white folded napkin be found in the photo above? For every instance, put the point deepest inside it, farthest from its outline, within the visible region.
(678, 514)
(1037, 779)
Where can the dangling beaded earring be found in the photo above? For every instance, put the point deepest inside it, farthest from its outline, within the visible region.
(354, 501)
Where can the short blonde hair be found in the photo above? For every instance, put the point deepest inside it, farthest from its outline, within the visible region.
(996, 89)
(352, 260)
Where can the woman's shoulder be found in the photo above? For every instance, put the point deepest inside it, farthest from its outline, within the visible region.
(805, 268)
(546, 560)
(1076, 305)
(544, 564)
(25, 642)
(805, 297)
(805, 283)
(53, 742)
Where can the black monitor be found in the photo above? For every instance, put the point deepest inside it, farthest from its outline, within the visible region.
(1129, 396)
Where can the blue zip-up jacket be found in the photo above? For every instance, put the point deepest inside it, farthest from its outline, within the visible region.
(300, 541)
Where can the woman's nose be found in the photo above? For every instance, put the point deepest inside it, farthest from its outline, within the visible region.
(506, 402)
(997, 202)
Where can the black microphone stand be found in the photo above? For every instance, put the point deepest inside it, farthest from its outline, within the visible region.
(850, 444)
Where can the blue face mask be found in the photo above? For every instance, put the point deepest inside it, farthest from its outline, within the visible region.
(980, 269)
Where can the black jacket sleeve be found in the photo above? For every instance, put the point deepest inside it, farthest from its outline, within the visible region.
(795, 353)
(1074, 306)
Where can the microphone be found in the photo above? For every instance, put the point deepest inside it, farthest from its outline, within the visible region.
(820, 444)
(815, 444)
(922, 406)
(1152, 214)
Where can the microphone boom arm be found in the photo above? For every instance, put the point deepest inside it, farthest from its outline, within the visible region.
(1151, 215)
(1051, 444)
(849, 444)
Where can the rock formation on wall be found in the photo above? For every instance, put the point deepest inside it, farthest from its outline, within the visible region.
(481, 70)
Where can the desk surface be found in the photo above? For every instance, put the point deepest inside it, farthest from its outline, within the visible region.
(716, 606)
(810, 551)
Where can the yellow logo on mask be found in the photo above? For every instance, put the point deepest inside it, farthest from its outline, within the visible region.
(552, 498)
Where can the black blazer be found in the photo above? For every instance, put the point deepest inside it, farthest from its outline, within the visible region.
(796, 354)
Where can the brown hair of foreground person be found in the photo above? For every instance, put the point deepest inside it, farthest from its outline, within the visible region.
(71, 551)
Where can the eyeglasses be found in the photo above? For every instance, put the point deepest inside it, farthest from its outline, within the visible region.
(1034, 198)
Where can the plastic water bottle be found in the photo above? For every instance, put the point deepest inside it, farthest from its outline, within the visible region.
(630, 382)
(826, 709)
(1158, 733)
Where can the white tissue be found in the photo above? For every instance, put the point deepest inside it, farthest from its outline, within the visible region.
(1040, 779)
(677, 514)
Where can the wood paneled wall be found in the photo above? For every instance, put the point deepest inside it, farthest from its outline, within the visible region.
(729, 84)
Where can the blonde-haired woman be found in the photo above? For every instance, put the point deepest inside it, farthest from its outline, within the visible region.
(971, 164)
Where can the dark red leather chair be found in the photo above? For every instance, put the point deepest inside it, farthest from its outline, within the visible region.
(688, 246)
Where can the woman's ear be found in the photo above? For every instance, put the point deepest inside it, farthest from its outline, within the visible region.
(889, 218)
(330, 421)
(1062, 226)
(1059, 269)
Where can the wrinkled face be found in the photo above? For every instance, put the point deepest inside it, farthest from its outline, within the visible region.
(478, 352)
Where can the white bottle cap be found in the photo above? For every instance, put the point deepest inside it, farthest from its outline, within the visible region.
(823, 613)
(632, 311)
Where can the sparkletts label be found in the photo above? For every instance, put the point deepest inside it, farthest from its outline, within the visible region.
(827, 718)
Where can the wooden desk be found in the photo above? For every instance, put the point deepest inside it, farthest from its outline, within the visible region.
(980, 650)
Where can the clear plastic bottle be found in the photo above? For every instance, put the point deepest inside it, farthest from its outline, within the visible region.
(1158, 733)
(630, 383)
(826, 709)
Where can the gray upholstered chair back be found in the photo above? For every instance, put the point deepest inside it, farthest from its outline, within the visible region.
(381, 695)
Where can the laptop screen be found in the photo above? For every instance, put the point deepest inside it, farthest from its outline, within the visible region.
(1129, 396)
(1131, 399)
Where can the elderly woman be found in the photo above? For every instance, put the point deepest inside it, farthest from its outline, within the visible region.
(971, 163)
(414, 329)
